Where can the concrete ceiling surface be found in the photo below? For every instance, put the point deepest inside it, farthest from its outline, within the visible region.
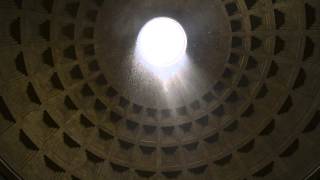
(74, 105)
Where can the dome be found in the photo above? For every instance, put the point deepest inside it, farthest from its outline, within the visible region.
(78, 99)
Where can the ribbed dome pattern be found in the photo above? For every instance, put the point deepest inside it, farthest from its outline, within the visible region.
(74, 106)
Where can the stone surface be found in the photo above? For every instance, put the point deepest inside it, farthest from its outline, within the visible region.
(74, 104)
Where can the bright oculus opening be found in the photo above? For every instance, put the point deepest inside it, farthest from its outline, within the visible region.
(161, 43)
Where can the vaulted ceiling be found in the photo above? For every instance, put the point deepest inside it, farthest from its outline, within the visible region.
(71, 106)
